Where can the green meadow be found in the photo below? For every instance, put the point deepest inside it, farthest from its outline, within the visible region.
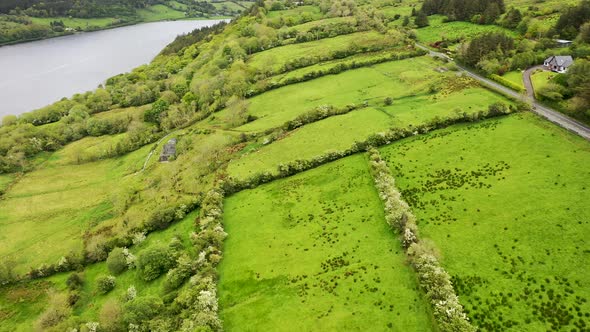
(313, 252)
(20, 305)
(504, 202)
(340, 132)
(439, 30)
(51, 208)
(395, 79)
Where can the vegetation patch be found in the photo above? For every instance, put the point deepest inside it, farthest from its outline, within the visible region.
(481, 208)
(316, 256)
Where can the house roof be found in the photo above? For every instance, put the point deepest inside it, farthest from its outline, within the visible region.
(560, 60)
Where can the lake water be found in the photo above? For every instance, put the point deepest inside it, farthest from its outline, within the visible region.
(39, 73)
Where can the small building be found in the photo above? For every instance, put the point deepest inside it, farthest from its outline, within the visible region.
(563, 42)
(558, 63)
(169, 151)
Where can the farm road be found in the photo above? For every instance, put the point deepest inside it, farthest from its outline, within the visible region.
(544, 111)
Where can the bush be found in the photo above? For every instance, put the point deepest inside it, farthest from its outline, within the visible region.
(117, 261)
(75, 281)
(154, 261)
(105, 284)
(142, 309)
(388, 101)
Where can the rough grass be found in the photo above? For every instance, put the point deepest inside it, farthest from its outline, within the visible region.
(73, 22)
(276, 57)
(514, 77)
(541, 78)
(340, 132)
(395, 79)
(44, 215)
(505, 203)
(159, 13)
(313, 253)
(437, 30)
(20, 305)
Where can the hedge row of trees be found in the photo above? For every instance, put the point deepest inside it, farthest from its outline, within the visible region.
(434, 280)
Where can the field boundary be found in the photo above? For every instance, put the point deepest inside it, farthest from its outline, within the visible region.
(434, 280)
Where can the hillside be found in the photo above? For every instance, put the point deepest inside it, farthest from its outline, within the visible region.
(329, 173)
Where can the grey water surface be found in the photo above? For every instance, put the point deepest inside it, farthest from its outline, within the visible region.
(39, 73)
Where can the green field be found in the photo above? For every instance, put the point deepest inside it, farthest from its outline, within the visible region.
(21, 306)
(438, 30)
(395, 79)
(274, 59)
(332, 260)
(340, 132)
(159, 13)
(51, 208)
(504, 201)
(514, 77)
(541, 78)
(73, 22)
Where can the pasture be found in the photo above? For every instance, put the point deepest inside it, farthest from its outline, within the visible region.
(22, 304)
(504, 202)
(316, 245)
(439, 30)
(395, 79)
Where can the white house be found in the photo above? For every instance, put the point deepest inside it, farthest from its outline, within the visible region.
(558, 63)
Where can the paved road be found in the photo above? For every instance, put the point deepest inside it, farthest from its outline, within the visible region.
(528, 83)
(544, 111)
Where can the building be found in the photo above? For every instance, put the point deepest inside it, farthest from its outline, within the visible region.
(558, 63)
(169, 151)
(563, 42)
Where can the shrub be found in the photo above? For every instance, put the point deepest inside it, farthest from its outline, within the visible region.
(111, 316)
(117, 262)
(154, 261)
(57, 311)
(388, 101)
(75, 281)
(142, 309)
(105, 284)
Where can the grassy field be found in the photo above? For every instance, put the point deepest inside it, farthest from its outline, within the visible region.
(504, 201)
(340, 132)
(73, 22)
(50, 208)
(21, 305)
(541, 78)
(159, 13)
(438, 30)
(396, 79)
(332, 260)
(514, 77)
(274, 59)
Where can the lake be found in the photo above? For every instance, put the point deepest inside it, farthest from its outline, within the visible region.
(35, 74)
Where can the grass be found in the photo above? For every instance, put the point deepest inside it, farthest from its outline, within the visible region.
(51, 208)
(396, 79)
(504, 202)
(332, 259)
(514, 77)
(312, 11)
(335, 133)
(276, 58)
(541, 78)
(159, 13)
(73, 22)
(5, 181)
(340, 132)
(20, 305)
(438, 30)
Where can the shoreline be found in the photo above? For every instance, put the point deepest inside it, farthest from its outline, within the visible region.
(110, 27)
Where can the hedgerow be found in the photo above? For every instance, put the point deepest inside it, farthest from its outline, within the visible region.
(434, 280)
